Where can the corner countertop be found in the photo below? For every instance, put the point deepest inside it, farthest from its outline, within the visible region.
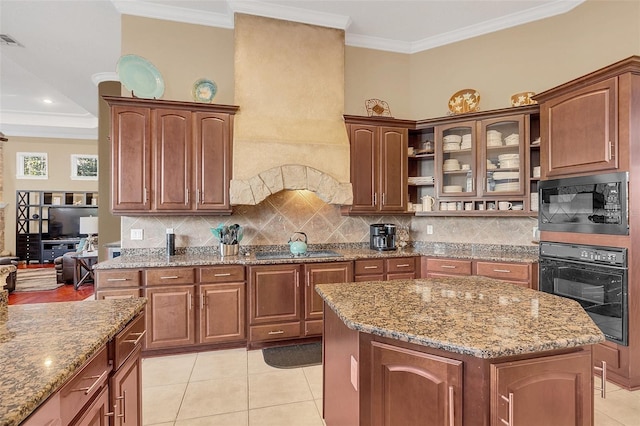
(42, 345)
(209, 258)
(476, 316)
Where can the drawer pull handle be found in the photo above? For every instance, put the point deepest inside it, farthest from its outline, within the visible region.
(603, 376)
(276, 332)
(136, 341)
(509, 402)
(452, 420)
(222, 275)
(370, 267)
(170, 277)
(90, 389)
(403, 265)
(448, 267)
(117, 279)
(506, 271)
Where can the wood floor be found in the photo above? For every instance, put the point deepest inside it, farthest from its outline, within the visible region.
(65, 293)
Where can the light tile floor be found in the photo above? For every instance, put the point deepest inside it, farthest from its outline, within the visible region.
(236, 388)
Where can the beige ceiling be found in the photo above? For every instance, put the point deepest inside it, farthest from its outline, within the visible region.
(69, 46)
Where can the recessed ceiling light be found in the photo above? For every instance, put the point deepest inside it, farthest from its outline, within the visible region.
(47, 101)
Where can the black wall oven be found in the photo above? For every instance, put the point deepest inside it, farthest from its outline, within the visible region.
(596, 204)
(596, 277)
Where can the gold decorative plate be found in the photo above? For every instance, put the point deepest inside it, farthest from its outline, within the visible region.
(377, 108)
(522, 98)
(465, 100)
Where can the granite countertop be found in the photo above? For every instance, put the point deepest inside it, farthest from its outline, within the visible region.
(476, 316)
(153, 258)
(43, 344)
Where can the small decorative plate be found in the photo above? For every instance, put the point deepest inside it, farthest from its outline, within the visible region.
(204, 90)
(523, 98)
(377, 108)
(140, 76)
(465, 100)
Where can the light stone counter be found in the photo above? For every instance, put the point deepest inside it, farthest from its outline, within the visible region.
(42, 345)
(476, 316)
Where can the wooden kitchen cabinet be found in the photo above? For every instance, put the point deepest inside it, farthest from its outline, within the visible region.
(97, 414)
(170, 157)
(125, 386)
(441, 267)
(553, 390)
(369, 270)
(274, 302)
(378, 164)
(170, 316)
(321, 273)
(394, 268)
(580, 130)
(522, 274)
(414, 388)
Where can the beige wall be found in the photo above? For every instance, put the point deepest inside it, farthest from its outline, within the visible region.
(59, 158)
(183, 53)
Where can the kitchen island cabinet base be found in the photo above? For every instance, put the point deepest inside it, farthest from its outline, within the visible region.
(355, 391)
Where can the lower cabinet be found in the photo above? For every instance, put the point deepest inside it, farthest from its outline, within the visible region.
(395, 268)
(447, 267)
(414, 388)
(222, 312)
(320, 273)
(553, 390)
(170, 316)
(105, 391)
(521, 274)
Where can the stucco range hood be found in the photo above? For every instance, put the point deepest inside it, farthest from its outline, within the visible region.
(289, 132)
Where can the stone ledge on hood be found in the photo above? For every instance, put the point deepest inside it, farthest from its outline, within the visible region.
(290, 176)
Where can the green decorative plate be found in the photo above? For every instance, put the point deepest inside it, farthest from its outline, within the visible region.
(140, 76)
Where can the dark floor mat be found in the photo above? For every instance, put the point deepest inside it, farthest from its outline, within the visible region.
(294, 356)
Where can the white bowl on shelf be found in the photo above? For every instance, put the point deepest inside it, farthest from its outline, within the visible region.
(451, 188)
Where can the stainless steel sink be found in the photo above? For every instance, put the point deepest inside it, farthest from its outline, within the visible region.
(287, 255)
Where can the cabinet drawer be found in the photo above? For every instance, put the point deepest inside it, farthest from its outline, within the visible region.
(274, 331)
(401, 264)
(606, 353)
(449, 266)
(218, 274)
(506, 271)
(128, 339)
(118, 278)
(369, 266)
(124, 293)
(169, 276)
(75, 394)
(313, 328)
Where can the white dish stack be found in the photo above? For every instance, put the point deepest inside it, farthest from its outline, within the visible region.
(451, 188)
(507, 181)
(451, 165)
(512, 140)
(509, 161)
(494, 138)
(466, 141)
(451, 143)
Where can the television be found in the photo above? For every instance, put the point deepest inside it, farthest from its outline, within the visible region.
(64, 222)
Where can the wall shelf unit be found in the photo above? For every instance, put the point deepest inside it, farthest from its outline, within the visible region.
(35, 243)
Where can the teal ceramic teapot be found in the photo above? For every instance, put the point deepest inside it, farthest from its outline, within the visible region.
(298, 243)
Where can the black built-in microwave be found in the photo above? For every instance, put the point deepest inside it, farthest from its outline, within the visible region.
(596, 204)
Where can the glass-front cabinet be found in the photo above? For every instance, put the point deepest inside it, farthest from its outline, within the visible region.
(502, 163)
(456, 164)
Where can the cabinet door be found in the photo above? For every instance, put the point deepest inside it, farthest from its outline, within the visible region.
(126, 391)
(364, 166)
(131, 158)
(580, 131)
(413, 388)
(170, 316)
(455, 163)
(96, 413)
(502, 163)
(172, 152)
(393, 169)
(554, 390)
(212, 161)
(274, 294)
(222, 312)
(322, 273)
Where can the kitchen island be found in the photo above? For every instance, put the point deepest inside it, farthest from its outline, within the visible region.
(456, 351)
(43, 346)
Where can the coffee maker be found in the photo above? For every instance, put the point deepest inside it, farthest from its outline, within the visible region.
(382, 236)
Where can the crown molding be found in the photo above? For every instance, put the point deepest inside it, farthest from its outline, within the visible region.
(172, 13)
(100, 77)
(294, 14)
(49, 132)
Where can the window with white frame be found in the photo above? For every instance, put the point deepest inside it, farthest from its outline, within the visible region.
(32, 165)
(84, 167)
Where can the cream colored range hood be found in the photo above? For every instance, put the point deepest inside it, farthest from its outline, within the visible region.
(289, 132)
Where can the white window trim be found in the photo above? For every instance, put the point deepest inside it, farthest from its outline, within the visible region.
(20, 157)
(75, 158)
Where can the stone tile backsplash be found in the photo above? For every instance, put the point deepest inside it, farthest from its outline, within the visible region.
(276, 218)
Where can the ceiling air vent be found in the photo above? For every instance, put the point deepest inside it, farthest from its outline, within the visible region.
(7, 40)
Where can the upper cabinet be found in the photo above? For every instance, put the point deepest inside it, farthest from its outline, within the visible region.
(170, 157)
(588, 125)
(580, 130)
(378, 164)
